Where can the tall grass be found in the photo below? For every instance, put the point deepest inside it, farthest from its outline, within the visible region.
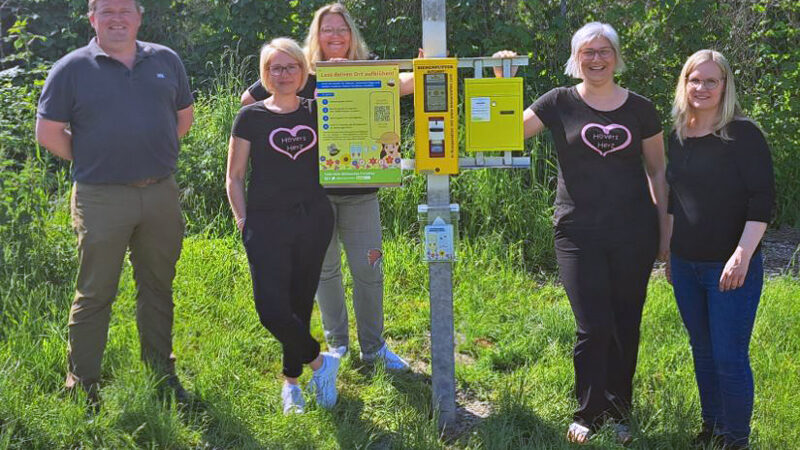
(201, 166)
(514, 338)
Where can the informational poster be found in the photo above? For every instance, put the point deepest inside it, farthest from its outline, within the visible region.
(359, 125)
(439, 242)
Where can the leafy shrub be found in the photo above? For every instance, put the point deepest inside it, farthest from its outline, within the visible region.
(218, 40)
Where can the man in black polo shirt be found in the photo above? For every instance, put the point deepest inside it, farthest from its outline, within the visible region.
(117, 109)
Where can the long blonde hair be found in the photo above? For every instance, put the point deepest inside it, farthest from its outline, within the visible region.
(728, 108)
(358, 48)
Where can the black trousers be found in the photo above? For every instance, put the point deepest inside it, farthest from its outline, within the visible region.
(605, 275)
(285, 248)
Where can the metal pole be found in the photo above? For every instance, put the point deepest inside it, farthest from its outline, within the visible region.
(440, 274)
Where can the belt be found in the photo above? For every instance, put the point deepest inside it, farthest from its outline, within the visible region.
(147, 181)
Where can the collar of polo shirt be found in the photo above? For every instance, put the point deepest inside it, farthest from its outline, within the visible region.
(143, 49)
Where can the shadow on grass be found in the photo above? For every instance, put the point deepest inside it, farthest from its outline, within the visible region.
(416, 390)
(667, 440)
(153, 419)
(13, 433)
(354, 431)
(221, 428)
(516, 425)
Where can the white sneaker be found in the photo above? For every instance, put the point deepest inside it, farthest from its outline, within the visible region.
(323, 381)
(339, 352)
(389, 359)
(293, 401)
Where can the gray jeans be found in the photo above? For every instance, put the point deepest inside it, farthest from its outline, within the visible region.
(357, 226)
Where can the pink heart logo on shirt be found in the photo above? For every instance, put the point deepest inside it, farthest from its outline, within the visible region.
(293, 143)
(605, 139)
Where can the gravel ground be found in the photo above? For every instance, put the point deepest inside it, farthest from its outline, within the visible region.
(781, 249)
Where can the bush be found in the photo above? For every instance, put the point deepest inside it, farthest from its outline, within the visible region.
(218, 40)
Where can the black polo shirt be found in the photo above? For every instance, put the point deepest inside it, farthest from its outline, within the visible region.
(123, 121)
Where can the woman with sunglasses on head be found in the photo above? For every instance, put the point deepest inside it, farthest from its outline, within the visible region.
(721, 199)
(331, 36)
(286, 219)
(610, 220)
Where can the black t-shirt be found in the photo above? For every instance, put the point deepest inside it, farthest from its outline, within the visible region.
(601, 177)
(258, 92)
(715, 187)
(283, 155)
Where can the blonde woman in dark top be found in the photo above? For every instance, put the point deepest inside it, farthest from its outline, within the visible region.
(333, 35)
(721, 198)
(285, 218)
(610, 220)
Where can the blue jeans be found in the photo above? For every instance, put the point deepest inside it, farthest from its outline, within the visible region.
(720, 325)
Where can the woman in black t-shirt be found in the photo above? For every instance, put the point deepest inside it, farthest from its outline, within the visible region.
(357, 224)
(721, 199)
(286, 220)
(610, 220)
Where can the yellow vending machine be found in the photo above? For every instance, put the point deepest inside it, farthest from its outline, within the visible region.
(436, 115)
(493, 110)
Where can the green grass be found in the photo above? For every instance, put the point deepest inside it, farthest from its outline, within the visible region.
(514, 339)
(514, 328)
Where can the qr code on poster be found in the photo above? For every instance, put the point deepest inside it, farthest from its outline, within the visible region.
(381, 113)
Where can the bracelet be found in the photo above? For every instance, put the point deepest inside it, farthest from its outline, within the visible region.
(240, 221)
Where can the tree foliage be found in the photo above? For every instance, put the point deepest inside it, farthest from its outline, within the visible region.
(759, 37)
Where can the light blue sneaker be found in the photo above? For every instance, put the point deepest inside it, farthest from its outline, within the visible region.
(338, 352)
(389, 359)
(293, 401)
(323, 381)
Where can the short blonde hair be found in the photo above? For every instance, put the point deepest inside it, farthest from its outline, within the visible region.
(592, 30)
(287, 46)
(728, 108)
(93, 6)
(358, 48)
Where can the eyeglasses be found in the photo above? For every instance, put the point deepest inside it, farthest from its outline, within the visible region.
(709, 83)
(291, 69)
(108, 13)
(329, 31)
(603, 53)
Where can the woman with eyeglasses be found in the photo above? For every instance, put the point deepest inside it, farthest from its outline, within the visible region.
(610, 220)
(357, 225)
(721, 199)
(286, 219)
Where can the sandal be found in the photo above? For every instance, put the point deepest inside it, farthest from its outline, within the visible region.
(578, 434)
(623, 433)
